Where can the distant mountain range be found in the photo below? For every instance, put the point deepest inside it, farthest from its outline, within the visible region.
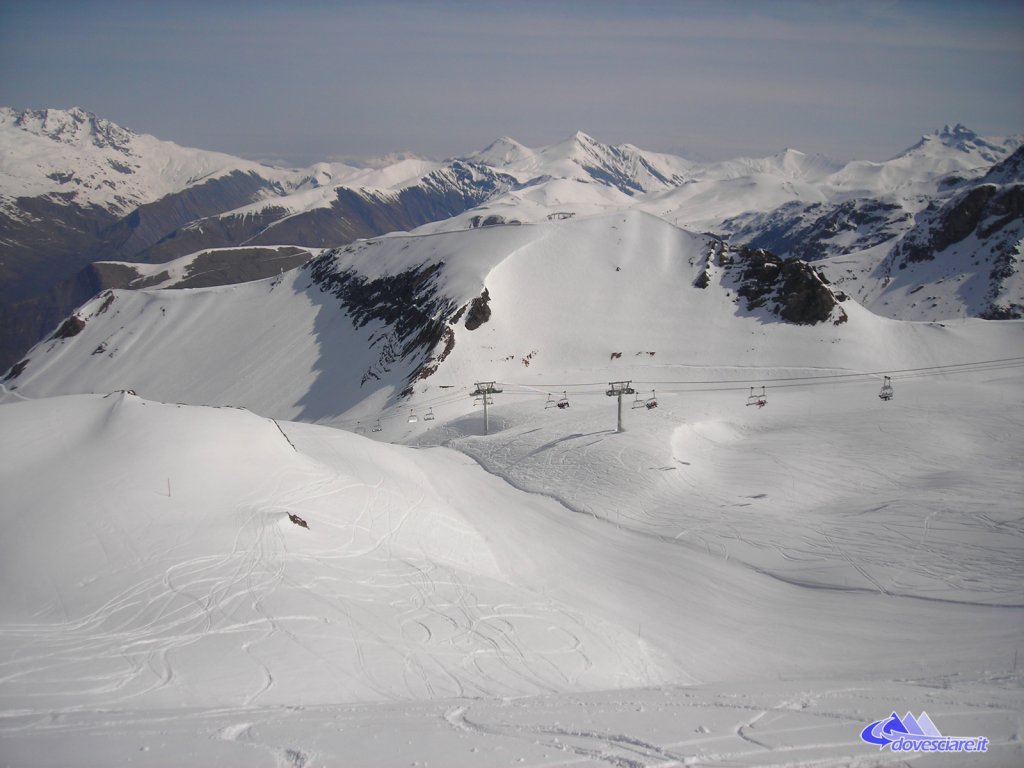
(933, 233)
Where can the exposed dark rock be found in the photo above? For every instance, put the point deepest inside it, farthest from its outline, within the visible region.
(1006, 207)
(70, 327)
(955, 221)
(1000, 312)
(479, 311)
(795, 290)
(108, 299)
(1007, 171)
(16, 370)
(237, 266)
(493, 220)
(407, 302)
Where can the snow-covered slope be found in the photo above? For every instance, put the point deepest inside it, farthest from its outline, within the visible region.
(648, 592)
(340, 339)
(317, 342)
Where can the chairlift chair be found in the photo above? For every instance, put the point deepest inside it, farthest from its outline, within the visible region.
(550, 402)
(757, 398)
(564, 401)
(651, 402)
(638, 402)
(412, 417)
(377, 427)
(360, 429)
(886, 393)
(429, 415)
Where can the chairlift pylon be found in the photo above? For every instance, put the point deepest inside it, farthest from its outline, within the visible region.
(886, 393)
(757, 398)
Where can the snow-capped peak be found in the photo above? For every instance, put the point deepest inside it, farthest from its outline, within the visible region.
(961, 139)
(72, 126)
(85, 160)
(502, 152)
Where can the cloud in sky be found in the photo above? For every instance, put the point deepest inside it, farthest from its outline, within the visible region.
(303, 80)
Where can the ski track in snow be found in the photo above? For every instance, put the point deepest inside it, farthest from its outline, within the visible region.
(903, 545)
(376, 606)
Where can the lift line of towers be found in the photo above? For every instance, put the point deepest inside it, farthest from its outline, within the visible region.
(617, 389)
(484, 390)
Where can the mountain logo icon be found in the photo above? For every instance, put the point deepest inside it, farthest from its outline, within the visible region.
(918, 734)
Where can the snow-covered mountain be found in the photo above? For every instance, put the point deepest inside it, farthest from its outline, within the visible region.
(74, 157)
(720, 583)
(934, 233)
(75, 189)
(376, 318)
(266, 522)
(69, 175)
(583, 158)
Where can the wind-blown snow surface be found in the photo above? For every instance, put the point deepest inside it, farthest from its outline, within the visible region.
(719, 584)
(183, 590)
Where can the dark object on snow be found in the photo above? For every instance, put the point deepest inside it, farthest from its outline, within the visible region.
(298, 520)
(886, 393)
(757, 398)
(479, 312)
(70, 327)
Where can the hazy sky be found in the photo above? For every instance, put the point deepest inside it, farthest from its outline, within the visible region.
(301, 81)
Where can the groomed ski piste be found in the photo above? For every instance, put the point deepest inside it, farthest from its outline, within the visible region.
(719, 584)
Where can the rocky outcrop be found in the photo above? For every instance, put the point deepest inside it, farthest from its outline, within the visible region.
(408, 304)
(942, 226)
(789, 289)
(479, 311)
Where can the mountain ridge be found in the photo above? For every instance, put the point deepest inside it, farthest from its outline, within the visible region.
(216, 201)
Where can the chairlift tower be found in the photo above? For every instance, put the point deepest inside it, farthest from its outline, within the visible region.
(484, 389)
(618, 389)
